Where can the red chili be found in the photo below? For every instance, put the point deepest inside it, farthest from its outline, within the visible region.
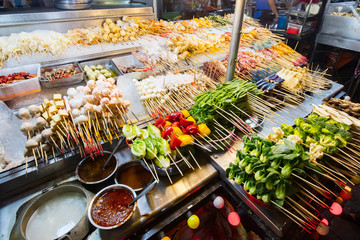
(167, 132)
(184, 123)
(174, 142)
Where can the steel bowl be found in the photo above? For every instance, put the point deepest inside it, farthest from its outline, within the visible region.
(79, 231)
(124, 166)
(99, 194)
(100, 181)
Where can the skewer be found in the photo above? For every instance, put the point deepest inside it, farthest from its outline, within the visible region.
(194, 159)
(310, 183)
(153, 165)
(298, 221)
(310, 223)
(323, 186)
(150, 170)
(185, 160)
(312, 196)
(307, 203)
(36, 162)
(175, 164)
(164, 169)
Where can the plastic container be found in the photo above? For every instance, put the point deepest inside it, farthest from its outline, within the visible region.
(281, 22)
(128, 61)
(22, 88)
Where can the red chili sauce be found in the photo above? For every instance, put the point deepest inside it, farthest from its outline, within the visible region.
(112, 208)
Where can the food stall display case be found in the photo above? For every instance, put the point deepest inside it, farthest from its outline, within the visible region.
(340, 30)
(174, 197)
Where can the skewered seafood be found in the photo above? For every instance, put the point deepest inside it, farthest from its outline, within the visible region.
(59, 72)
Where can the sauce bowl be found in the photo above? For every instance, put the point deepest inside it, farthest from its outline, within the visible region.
(106, 154)
(100, 194)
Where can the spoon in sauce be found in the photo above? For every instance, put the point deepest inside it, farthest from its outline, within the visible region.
(115, 149)
(145, 191)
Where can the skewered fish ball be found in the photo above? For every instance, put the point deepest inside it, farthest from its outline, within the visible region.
(75, 112)
(26, 127)
(81, 119)
(71, 92)
(24, 113)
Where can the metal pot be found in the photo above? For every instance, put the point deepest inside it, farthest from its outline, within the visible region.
(99, 194)
(125, 166)
(79, 231)
(106, 153)
(73, 4)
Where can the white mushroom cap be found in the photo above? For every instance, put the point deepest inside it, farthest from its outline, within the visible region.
(47, 133)
(26, 127)
(34, 109)
(40, 122)
(31, 143)
(24, 113)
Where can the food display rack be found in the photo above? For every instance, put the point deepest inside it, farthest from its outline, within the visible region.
(164, 196)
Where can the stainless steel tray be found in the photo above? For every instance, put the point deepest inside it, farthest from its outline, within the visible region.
(108, 63)
(79, 77)
(128, 61)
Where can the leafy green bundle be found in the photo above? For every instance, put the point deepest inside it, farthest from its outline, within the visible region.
(317, 129)
(205, 109)
(264, 169)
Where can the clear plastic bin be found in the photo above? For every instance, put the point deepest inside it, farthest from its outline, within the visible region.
(25, 87)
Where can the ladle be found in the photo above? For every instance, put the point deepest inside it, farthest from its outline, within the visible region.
(115, 149)
(145, 191)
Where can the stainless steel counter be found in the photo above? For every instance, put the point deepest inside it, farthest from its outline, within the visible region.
(276, 221)
(159, 200)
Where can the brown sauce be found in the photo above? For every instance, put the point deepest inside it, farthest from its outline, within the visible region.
(91, 170)
(133, 176)
(112, 208)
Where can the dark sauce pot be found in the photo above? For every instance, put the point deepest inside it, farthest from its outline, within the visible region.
(89, 171)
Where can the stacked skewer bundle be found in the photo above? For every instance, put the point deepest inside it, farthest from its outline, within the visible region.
(289, 166)
(161, 95)
(81, 121)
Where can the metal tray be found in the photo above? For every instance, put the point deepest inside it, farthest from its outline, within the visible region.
(108, 63)
(79, 77)
(127, 61)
